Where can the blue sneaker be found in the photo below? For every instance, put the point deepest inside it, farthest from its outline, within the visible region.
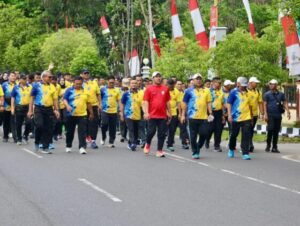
(40, 146)
(94, 145)
(230, 153)
(195, 156)
(133, 147)
(51, 146)
(246, 157)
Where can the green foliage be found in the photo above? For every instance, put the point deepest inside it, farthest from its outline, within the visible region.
(60, 47)
(182, 59)
(11, 57)
(87, 57)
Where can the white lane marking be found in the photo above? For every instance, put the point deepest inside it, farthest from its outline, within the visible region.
(180, 157)
(95, 187)
(290, 157)
(32, 153)
(178, 160)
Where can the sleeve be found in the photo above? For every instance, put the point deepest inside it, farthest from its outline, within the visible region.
(231, 97)
(67, 95)
(102, 92)
(265, 97)
(1, 92)
(55, 94)
(34, 91)
(119, 95)
(97, 89)
(260, 98)
(209, 97)
(147, 95)
(124, 98)
(13, 92)
(283, 97)
(186, 96)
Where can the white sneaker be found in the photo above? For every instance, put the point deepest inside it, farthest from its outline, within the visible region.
(68, 150)
(111, 145)
(82, 151)
(19, 143)
(102, 142)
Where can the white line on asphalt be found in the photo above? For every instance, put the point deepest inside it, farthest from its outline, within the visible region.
(178, 160)
(95, 187)
(32, 153)
(290, 157)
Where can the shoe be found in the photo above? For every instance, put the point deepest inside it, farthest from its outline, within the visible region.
(102, 142)
(55, 138)
(275, 150)
(82, 151)
(230, 154)
(251, 149)
(160, 154)
(25, 140)
(207, 145)
(185, 146)
(40, 146)
(122, 140)
(46, 151)
(5, 140)
(143, 144)
(267, 149)
(10, 135)
(19, 143)
(147, 149)
(133, 147)
(246, 157)
(218, 149)
(170, 149)
(129, 146)
(111, 145)
(88, 139)
(68, 150)
(51, 146)
(195, 156)
(59, 137)
(94, 145)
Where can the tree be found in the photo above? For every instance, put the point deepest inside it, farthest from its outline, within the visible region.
(11, 57)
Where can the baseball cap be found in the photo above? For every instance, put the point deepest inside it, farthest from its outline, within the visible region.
(243, 81)
(228, 82)
(273, 81)
(197, 76)
(254, 79)
(155, 73)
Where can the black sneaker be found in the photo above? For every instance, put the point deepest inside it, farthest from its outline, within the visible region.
(5, 140)
(207, 145)
(267, 149)
(143, 144)
(251, 149)
(122, 140)
(275, 150)
(185, 147)
(217, 149)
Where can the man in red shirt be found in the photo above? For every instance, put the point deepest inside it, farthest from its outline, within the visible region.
(157, 111)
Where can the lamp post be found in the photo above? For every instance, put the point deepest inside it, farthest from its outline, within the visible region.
(146, 68)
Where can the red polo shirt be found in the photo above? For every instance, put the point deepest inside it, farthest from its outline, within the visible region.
(157, 96)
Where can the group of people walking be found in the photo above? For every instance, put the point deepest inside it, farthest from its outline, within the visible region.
(49, 107)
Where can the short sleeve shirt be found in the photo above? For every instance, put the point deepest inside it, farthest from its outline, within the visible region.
(132, 102)
(45, 94)
(78, 100)
(175, 99)
(255, 99)
(93, 89)
(110, 98)
(217, 99)
(21, 94)
(7, 89)
(272, 104)
(240, 106)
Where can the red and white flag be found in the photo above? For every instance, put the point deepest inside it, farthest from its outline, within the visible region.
(104, 25)
(134, 63)
(292, 44)
(199, 28)
(156, 45)
(249, 15)
(176, 27)
(214, 16)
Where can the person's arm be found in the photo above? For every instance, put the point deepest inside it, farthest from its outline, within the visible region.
(229, 112)
(90, 110)
(56, 108)
(286, 106)
(1, 103)
(169, 113)
(30, 110)
(100, 102)
(209, 108)
(146, 109)
(68, 107)
(121, 111)
(12, 105)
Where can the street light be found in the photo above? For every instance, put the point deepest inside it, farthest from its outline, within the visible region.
(146, 68)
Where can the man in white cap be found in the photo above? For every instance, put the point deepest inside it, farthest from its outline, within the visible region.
(227, 87)
(256, 103)
(197, 103)
(239, 115)
(156, 107)
(275, 105)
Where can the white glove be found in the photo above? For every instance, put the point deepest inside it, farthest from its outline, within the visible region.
(210, 118)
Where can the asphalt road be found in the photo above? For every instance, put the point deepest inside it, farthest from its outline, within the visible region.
(120, 187)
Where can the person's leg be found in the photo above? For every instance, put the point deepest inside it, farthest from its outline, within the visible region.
(251, 146)
(49, 119)
(112, 127)
(193, 126)
(38, 125)
(203, 133)
(19, 116)
(28, 124)
(270, 129)
(172, 131)
(161, 133)
(151, 130)
(184, 136)
(6, 124)
(235, 126)
(129, 123)
(210, 131)
(277, 126)
(82, 123)
(71, 123)
(142, 130)
(93, 124)
(123, 130)
(135, 131)
(246, 131)
(218, 128)
(13, 127)
(104, 125)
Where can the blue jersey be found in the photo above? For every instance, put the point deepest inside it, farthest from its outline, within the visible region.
(240, 105)
(7, 89)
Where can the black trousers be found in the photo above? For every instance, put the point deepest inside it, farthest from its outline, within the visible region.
(172, 127)
(92, 127)
(216, 128)
(60, 123)
(142, 130)
(159, 125)
(198, 127)
(229, 125)
(9, 125)
(184, 135)
(109, 122)
(44, 123)
(273, 127)
(71, 123)
(123, 129)
(245, 127)
(254, 121)
(21, 118)
(133, 130)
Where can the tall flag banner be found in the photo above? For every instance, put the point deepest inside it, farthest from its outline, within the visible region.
(248, 11)
(134, 63)
(214, 16)
(156, 46)
(176, 27)
(104, 25)
(292, 44)
(199, 28)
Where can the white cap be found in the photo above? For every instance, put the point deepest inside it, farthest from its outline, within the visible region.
(228, 82)
(254, 79)
(125, 82)
(155, 73)
(197, 76)
(243, 81)
(273, 81)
